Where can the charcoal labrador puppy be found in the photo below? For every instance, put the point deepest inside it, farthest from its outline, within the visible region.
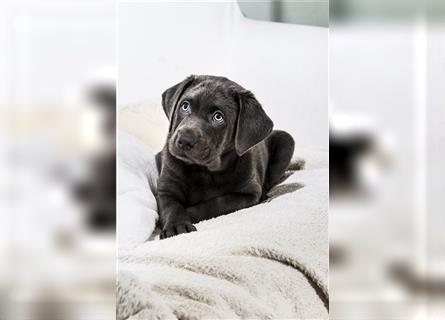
(221, 154)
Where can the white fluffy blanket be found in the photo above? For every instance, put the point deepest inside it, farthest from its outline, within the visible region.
(137, 208)
(265, 262)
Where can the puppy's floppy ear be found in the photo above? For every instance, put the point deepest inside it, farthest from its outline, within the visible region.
(253, 124)
(171, 96)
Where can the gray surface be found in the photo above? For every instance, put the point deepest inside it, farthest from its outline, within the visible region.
(306, 12)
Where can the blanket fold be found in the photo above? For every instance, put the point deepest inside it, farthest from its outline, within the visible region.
(269, 261)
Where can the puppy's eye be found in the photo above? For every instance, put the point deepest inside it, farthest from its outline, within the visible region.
(185, 107)
(218, 117)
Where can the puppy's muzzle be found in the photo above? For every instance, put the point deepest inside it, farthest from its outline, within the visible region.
(186, 140)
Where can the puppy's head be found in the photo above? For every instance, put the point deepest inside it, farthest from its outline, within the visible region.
(210, 117)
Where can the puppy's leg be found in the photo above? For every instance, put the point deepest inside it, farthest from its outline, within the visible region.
(281, 149)
(173, 218)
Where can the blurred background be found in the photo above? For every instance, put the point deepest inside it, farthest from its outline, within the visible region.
(57, 159)
(387, 145)
(387, 151)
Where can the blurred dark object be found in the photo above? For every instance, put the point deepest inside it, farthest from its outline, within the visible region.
(337, 255)
(98, 191)
(105, 96)
(429, 285)
(344, 152)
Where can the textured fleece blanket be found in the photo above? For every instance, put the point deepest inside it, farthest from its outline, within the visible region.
(269, 261)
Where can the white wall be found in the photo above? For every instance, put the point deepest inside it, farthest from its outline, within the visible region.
(284, 65)
(48, 48)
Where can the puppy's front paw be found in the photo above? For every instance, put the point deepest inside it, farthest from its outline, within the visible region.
(171, 231)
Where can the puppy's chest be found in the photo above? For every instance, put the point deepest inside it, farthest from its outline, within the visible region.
(203, 187)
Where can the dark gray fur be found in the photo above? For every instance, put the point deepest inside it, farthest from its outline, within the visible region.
(208, 169)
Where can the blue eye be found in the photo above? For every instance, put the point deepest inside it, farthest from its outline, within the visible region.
(218, 117)
(185, 107)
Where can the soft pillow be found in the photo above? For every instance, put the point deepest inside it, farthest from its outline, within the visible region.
(137, 175)
(146, 121)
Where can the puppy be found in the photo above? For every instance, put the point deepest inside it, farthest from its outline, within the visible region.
(221, 154)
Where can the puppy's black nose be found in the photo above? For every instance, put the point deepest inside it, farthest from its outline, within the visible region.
(185, 141)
